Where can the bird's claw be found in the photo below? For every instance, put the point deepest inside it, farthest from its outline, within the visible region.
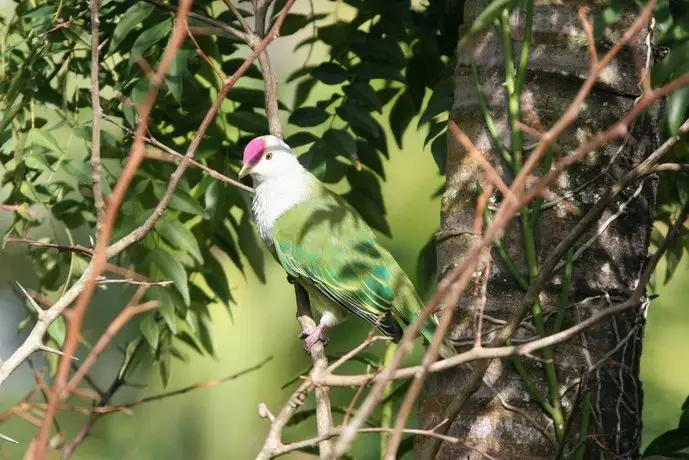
(312, 335)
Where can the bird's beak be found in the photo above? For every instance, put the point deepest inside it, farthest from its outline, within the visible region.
(246, 169)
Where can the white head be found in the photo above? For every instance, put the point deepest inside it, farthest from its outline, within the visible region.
(268, 157)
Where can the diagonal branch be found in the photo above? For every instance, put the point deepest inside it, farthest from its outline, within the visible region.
(100, 253)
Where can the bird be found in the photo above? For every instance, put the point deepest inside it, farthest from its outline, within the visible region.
(325, 245)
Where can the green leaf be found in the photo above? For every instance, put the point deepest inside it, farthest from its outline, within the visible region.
(151, 331)
(427, 267)
(163, 357)
(384, 50)
(178, 71)
(204, 333)
(340, 142)
(293, 23)
(308, 117)
(166, 305)
(330, 73)
(249, 245)
(301, 138)
(363, 93)
(216, 278)
(668, 443)
(181, 201)
(377, 70)
(225, 241)
(140, 91)
(439, 151)
(134, 16)
(302, 91)
(36, 160)
(672, 66)
(440, 100)
(299, 73)
(132, 358)
(148, 38)
(359, 118)
(216, 203)
(672, 259)
(401, 115)
(45, 139)
(232, 65)
(57, 331)
(251, 122)
(173, 270)
(368, 155)
(323, 165)
(180, 237)
(334, 34)
(677, 109)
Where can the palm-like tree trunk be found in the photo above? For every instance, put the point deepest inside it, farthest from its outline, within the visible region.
(503, 418)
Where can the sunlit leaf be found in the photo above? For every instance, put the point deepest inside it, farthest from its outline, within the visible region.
(134, 16)
(179, 236)
(173, 270)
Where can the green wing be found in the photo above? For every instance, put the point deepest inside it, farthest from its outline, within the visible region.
(326, 244)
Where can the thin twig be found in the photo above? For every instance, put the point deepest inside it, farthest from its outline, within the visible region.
(178, 157)
(96, 165)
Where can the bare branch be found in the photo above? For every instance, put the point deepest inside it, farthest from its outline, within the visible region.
(237, 14)
(324, 421)
(178, 156)
(96, 165)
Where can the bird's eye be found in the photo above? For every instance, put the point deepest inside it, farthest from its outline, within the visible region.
(269, 155)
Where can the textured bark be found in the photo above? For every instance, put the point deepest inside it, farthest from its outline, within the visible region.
(606, 272)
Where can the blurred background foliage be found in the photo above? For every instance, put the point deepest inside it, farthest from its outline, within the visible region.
(365, 89)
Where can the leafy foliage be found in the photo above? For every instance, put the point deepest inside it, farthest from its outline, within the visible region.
(388, 66)
(381, 66)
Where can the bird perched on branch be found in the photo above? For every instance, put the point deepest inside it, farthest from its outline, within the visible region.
(327, 247)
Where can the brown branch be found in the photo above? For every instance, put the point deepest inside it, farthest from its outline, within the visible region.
(204, 56)
(83, 250)
(96, 164)
(16, 208)
(197, 386)
(582, 12)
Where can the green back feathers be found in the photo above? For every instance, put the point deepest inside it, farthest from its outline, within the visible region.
(324, 242)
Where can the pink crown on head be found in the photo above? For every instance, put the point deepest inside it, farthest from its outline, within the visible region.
(253, 151)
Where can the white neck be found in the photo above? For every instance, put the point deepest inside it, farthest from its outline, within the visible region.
(275, 196)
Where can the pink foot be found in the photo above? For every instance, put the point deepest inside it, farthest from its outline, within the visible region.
(311, 336)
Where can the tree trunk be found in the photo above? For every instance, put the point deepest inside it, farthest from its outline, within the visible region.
(502, 418)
